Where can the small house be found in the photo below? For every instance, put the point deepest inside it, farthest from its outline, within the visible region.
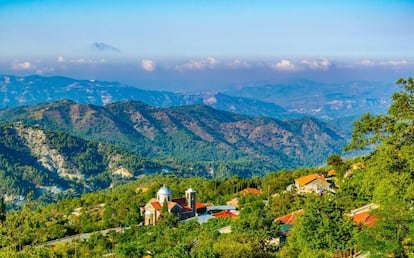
(314, 183)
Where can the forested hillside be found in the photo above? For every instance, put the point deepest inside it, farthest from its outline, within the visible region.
(51, 164)
(191, 133)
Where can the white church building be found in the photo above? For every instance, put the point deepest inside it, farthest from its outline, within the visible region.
(183, 208)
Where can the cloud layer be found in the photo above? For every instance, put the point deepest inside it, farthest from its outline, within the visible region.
(238, 64)
(197, 65)
(322, 64)
(62, 60)
(368, 62)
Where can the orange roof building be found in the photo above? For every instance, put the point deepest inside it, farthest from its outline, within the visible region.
(312, 183)
(225, 214)
(364, 218)
(289, 218)
(302, 181)
(156, 205)
(251, 190)
(200, 205)
(361, 215)
(287, 221)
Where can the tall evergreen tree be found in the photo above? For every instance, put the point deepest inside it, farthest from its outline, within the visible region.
(2, 210)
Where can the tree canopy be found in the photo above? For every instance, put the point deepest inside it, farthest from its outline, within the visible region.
(396, 127)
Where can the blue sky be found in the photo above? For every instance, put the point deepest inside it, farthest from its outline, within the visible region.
(176, 42)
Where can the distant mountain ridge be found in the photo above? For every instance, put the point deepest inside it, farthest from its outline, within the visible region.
(32, 90)
(295, 98)
(192, 133)
(322, 100)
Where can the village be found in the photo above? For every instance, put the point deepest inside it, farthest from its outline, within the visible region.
(187, 208)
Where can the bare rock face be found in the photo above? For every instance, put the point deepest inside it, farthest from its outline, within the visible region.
(54, 164)
(48, 157)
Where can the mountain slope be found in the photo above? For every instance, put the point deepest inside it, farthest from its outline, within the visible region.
(192, 133)
(54, 163)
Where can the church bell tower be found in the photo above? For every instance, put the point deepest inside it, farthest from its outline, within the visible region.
(190, 195)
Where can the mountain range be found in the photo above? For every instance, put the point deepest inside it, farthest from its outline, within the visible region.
(31, 90)
(190, 133)
(322, 100)
(61, 135)
(296, 98)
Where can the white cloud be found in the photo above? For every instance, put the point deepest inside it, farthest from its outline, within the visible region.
(198, 65)
(292, 65)
(318, 64)
(366, 62)
(60, 59)
(237, 64)
(22, 66)
(284, 65)
(148, 65)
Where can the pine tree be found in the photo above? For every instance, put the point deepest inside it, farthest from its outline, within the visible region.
(2, 210)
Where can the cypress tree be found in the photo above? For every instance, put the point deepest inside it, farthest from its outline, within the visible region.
(2, 210)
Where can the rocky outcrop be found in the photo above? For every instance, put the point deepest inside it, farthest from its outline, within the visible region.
(36, 140)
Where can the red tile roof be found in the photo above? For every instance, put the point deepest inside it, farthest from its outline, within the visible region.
(200, 205)
(309, 178)
(364, 218)
(289, 218)
(183, 203)
(156, 205)
(250, 190)
(226, 214)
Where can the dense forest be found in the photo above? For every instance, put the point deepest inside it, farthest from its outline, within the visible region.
(323, 229)
(190, 133)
